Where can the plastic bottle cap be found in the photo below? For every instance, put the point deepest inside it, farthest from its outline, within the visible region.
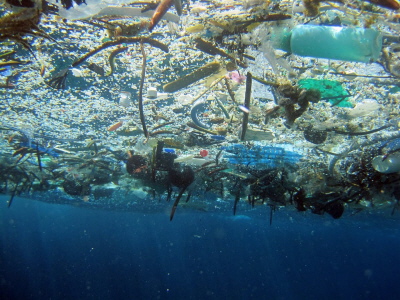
(203, 153)
(152, 92)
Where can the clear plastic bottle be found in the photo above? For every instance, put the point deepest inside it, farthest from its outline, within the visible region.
(331, 42)
(387, 165)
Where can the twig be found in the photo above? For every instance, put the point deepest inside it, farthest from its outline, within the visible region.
(247, 105)
(230, 92)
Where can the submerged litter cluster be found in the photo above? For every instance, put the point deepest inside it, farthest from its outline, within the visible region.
(126, 105)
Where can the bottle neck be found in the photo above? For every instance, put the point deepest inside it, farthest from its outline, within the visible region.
(281, 39)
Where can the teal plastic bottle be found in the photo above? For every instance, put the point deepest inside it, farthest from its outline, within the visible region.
(331, 42)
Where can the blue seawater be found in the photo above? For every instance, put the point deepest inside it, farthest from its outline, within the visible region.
(50, 251)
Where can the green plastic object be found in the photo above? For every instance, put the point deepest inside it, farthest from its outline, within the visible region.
(332, 42)
(329, 89)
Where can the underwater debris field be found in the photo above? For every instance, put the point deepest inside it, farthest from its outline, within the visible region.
(202, 105)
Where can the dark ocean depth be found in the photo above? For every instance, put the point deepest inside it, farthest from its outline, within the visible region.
(52, 251)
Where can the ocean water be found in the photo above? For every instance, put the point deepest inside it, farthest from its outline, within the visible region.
(50, 251)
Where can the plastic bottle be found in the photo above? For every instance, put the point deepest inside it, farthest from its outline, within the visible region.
(331, 42)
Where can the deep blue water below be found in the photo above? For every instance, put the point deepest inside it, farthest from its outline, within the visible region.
(50, 251)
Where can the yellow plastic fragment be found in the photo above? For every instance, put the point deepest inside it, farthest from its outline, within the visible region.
(195, 28)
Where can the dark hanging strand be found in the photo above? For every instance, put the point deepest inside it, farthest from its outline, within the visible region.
(142, 119)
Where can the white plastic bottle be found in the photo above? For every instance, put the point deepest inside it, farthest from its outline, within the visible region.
(331, 42)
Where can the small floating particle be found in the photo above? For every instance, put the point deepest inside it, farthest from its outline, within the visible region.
(169, 150)
(244, 109)
(218, 137)
(76, 72)
(196, 9)
(195, 28)
(115, 126)
(203, 153)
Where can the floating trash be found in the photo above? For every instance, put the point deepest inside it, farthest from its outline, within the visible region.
(260, 156)
(330, 90)
(142, 103)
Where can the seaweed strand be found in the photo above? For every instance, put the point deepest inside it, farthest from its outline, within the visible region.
(121, 40)
(112, 57)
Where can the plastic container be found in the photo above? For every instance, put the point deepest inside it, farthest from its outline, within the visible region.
(331, 42)
(389, 165)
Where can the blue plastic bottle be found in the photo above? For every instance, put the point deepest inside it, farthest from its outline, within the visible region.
(331, 42)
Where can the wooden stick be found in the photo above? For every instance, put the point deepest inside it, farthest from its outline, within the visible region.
(247, 105)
